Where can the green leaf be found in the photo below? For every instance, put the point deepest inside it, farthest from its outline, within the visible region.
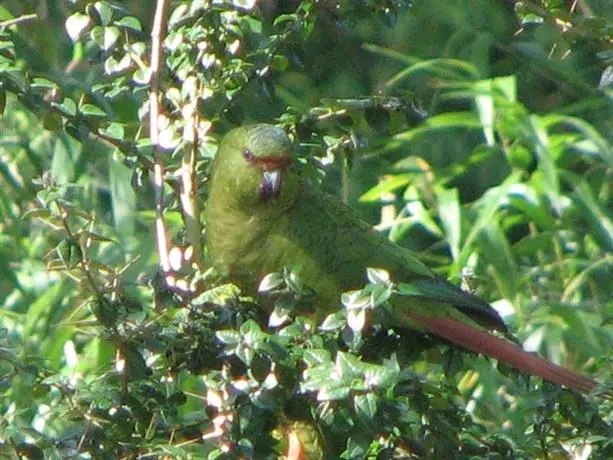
(603, 148)
(112, 66)
(532, 244)
(67, 107)
(271, 282)
(136, 367)
(357, 447)
(382, 376)
(540, 138)
(449, 212)
(252, 24)
(525, 198)
(77, 26)
(497, 251)
(420, 215)
(36, 213)
(407, 289)
(391, 54)
(316, 357)
(252, 333)
(45, 300)
(114, 130)
(124, 199)
(377, 275)
(347, 366)
(142, 76)
(333, 394)
(106, 37)
(245, 4)
(65, 153)
(280, 314)
(484, 102)
(283, 18)
(90, 110)
(446, 69)
(487, 206)
(228, 337)
(129, 22)
(52, 122)
(599, 217)
(379, 295)
(356, 319)
(105, 12)
(43, 83)
(334, 321)
(356, 299)
(366, 405)
(388, 185)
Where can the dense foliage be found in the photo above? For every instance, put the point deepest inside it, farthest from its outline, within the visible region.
(479, 133)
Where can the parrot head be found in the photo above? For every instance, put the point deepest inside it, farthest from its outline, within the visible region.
(255, 159)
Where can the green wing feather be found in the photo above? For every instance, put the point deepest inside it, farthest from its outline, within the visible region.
(343, 245)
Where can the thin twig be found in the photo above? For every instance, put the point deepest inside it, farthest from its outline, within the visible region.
(585, 8)
(158, 167)
(189, 183)
(83, 259)
(19, 20)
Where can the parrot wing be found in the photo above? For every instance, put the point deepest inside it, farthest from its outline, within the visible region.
(344, 245)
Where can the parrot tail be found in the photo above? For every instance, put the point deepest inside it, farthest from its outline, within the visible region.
(487, 344)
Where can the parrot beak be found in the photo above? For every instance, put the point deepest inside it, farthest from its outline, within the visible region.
(271, 184)
(272, 168)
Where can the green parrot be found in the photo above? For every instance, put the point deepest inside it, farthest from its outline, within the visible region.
(261, 217)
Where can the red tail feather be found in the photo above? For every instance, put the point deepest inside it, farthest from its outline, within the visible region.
(483, 342)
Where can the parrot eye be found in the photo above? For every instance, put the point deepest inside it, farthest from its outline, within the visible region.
(248, 154)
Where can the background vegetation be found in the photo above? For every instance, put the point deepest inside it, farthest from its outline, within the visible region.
(478, 132)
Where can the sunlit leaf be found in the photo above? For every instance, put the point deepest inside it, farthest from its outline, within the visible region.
(77, 26)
